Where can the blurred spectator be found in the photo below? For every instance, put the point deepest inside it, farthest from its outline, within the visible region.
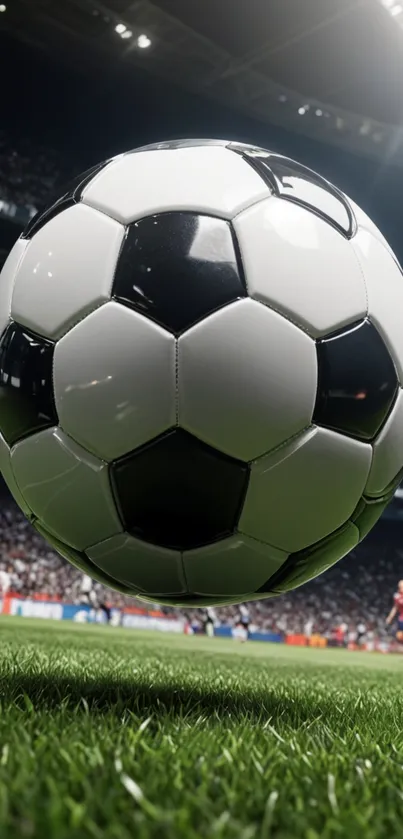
(29, 173)
(357, 591)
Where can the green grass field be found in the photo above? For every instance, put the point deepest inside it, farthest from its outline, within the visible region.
(114, 733)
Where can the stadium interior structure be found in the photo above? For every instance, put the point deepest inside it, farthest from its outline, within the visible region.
(106, 731)
(284, 69)
(256, 81)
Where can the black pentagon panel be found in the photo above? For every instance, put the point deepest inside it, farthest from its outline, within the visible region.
(178, 492)
(26, 390)
(357, 382)
(368, 512)
(66, 197)
(81, 560)
(303, 566)
(295, 182)
(176, 268)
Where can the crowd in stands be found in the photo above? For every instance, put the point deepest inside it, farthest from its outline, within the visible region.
(357, 590)
(29, 173)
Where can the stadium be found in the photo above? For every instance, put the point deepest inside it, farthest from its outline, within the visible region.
(122, 715)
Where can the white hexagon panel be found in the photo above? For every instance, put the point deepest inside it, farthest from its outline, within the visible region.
(8, 475)
(365, 223)
(114, 381)
(305, 490)
(282, 247)
(241, 388)
(318, 558)
(148, 568)
(387, 461)
(65, 487)
(384, 284)
(231, 566)
(7, 278)
(66, 271)
(206, 179)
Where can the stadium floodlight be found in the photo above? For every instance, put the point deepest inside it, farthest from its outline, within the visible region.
(301, 110)
(120, 28)
(395, 9)
(127, 34)
(3, 7)
(143, 42)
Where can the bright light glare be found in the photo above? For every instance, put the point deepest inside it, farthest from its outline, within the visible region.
(127, 34)
(318, 112)
(301, 110)
(2, 7)
(143, 42)
(396, 10)
(120, 28)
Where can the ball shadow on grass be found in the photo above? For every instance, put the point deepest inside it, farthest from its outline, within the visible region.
(75, 696)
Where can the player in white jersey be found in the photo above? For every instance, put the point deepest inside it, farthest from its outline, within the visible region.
(88, 596)
(244, 615)
(240, 630)
(5, 582)
(210, 618)
(87, 593)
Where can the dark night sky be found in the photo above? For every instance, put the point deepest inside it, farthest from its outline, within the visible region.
(91, 117)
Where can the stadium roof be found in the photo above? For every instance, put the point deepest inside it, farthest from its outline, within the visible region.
(331, 69)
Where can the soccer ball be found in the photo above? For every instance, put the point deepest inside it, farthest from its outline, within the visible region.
(201, 361)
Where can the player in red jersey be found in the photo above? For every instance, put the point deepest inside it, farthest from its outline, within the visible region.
(397, 609)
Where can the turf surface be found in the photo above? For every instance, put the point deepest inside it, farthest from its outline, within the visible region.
(115, 733)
